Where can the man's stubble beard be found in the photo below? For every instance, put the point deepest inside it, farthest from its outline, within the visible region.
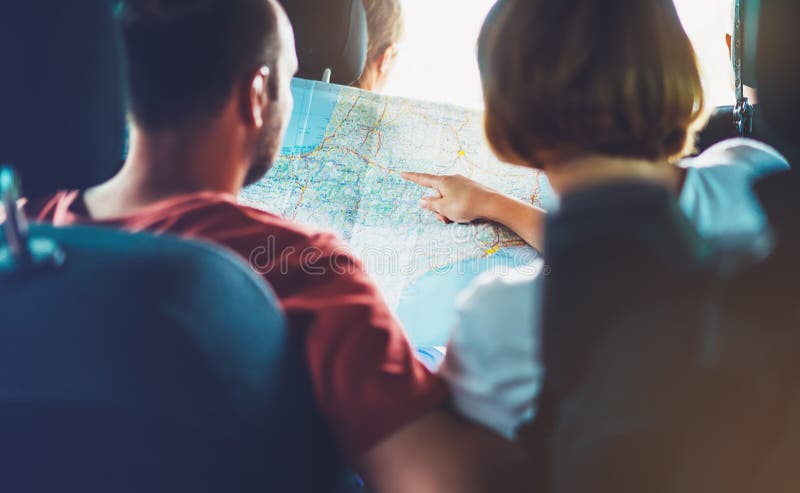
(267, 150)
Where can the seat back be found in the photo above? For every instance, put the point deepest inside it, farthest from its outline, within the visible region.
(669, 372)
(152, 364)
(127, 362)
(767, 294)
(651, 385)
(721, 126)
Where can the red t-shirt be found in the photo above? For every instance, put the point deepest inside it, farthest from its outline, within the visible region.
(366, 380)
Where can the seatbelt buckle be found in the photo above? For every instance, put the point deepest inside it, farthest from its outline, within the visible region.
(743, 117)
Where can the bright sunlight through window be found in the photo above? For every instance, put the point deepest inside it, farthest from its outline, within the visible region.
(437, 58)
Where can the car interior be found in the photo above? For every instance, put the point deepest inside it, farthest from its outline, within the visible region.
(112, 338)
(144, 362)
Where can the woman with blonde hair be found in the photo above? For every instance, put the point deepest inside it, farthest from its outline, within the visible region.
(589, 92)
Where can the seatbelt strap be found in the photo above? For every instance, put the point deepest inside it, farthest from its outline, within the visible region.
(20, 253)
(15, 225)
(743, 111)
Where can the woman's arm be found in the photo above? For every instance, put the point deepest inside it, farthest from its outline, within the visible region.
(520, 217)
(463, 200)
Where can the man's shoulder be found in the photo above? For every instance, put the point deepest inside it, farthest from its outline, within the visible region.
(718, 193)
(727, 172)
(228, 219)
(269, 220)
(752, 158)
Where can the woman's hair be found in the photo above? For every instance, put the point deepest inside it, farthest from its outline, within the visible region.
(569, 77)
(384, 24)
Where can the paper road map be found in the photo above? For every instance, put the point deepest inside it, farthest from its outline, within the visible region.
(339, 170)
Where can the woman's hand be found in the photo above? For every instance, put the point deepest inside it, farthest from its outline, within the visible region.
(456, 198)
(459, 199)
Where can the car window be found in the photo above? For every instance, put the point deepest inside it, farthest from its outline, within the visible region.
(437, 56)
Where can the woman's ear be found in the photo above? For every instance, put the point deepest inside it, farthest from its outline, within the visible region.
(729, 42)
(258, 97)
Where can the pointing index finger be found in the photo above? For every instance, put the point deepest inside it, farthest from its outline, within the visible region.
(423, 179)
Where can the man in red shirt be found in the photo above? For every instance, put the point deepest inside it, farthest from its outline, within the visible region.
(210, 100)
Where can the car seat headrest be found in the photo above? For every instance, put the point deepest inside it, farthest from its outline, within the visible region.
(777, 65)
(62, 112)
(329, 34)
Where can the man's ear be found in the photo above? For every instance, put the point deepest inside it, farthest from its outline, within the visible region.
(257, 97)
(729, 42)
(386, 60)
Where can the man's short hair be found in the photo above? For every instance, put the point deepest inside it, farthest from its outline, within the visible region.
(617, 77)
(186, 56)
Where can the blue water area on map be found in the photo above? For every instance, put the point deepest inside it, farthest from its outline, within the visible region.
(428, 307)
(314, 103)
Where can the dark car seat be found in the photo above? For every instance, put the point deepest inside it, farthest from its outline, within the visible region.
(127, 362)
(652, 382)
(331, 38)
(768, 293)
(671, 367)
